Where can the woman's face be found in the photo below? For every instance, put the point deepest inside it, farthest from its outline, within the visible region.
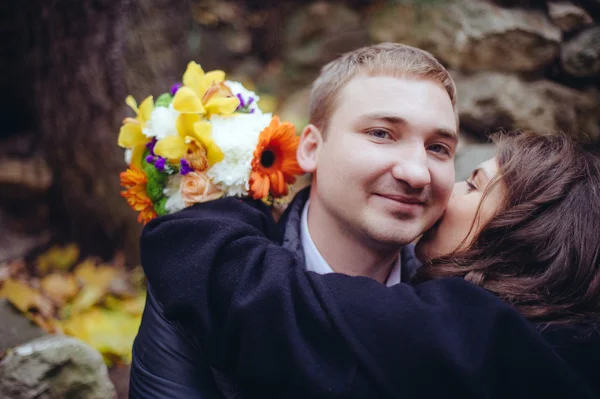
(457, 222)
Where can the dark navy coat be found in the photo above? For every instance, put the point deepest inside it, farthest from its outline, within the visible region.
(280, 331)
(167, 363)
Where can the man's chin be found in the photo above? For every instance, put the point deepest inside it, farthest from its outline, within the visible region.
(388, 237)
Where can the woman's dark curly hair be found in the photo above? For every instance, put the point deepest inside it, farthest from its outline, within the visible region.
(541, 251)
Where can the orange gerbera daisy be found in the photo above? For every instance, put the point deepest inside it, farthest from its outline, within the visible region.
(274, 164)
(134, 180)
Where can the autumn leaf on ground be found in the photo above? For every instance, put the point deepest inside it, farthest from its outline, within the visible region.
(110, 332)
(95, 280)
(29, 301)
(11, 269)
(137, 278)
(58, 258)
(100, 303)
(25, 298)
(60, 287)
(133, 306)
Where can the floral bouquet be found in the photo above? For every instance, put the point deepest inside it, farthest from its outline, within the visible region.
(205, 139)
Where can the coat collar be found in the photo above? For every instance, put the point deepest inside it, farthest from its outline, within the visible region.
(289, 226)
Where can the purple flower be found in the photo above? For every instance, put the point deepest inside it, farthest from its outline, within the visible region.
(185, 167)
(242, 104)
(160, 164)
(175, 87)
(150, 159)
(150, 145)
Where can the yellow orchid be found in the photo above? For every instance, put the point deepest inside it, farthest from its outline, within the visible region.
(204, 93)
(191, 129)
(130, 135)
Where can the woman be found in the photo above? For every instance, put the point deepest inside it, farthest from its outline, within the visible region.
(524, 228)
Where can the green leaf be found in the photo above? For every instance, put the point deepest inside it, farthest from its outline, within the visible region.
(159, 206)
(154, 190)
(164, 100)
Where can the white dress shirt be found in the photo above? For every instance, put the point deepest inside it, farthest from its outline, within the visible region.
(315, 261)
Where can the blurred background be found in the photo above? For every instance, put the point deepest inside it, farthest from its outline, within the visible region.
(69, 241)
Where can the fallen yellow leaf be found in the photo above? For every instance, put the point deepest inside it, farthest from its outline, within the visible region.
(138, 278)
(58, 258)
(30, 302)
(25, 298)
(96, 281)
(11, 269)
(87, 297)
(135, 306)
(132, 306)
(59, 287)
(110, 332)
(88, 273)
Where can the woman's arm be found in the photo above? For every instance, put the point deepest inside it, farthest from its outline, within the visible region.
(273, 326)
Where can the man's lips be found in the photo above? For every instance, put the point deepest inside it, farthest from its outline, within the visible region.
(404, 199)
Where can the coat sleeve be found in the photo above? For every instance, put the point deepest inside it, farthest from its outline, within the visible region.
(270, 323)
(164, 363)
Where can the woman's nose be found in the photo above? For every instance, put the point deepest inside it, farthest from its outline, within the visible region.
(459, 188)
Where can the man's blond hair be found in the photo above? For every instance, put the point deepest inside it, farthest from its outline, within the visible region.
(385, 59)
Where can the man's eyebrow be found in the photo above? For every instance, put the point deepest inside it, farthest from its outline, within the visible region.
(448, 133)
(391, 119)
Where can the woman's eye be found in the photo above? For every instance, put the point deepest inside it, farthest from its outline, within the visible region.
(379, 134)
(439, 149)
(470, 186)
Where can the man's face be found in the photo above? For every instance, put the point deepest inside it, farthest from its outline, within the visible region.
(385, 170)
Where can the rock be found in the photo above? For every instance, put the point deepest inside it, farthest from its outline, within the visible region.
(470, 156)
(520, 3)
(15, 328)
(491, 100)
(54, 367)
(318, 33)
(568, 16)
(580, 56)
(29, 175)
(471, 35)
(16, 244)
(591, 6)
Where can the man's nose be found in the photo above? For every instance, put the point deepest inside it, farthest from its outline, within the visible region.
(412, 168)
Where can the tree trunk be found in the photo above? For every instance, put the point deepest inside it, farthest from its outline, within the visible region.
(64, 81)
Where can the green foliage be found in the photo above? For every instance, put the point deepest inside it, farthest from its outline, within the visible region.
(159, 206)
(164, 100)
(154, 190)
(152, 173)
(156, 180)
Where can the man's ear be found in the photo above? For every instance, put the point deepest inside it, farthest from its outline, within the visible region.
(308, 149)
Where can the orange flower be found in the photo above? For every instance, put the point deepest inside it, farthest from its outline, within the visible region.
(134, 180)
(274, 164)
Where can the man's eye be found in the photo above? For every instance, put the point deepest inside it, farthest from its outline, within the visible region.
(439, 149)
(379, 134)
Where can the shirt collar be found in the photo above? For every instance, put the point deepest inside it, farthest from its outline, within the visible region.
(315, 261)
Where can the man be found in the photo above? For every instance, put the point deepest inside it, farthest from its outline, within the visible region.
(380, 145)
